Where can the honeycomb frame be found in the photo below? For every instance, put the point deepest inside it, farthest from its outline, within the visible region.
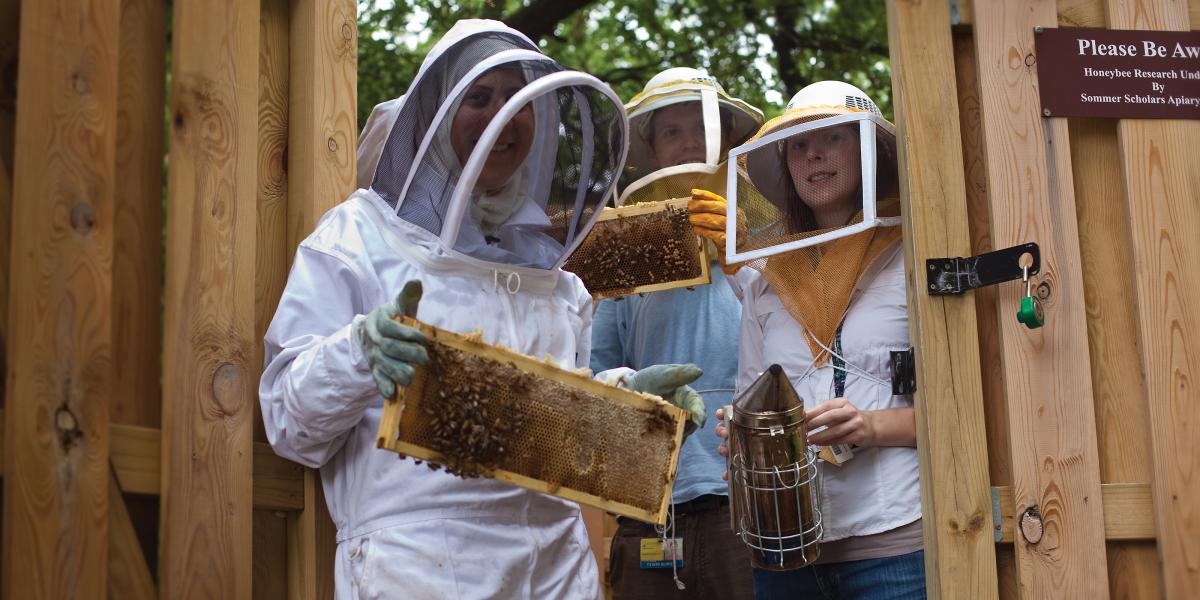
(652, 448)
(634, 211)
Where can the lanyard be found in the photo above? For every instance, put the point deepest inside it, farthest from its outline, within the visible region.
(839, 366)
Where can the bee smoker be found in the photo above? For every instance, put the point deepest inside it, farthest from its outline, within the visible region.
(773, 484)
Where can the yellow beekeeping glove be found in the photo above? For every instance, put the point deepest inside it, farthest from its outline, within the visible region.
(708, 221)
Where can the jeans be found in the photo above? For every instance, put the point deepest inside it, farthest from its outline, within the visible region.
(891, 578)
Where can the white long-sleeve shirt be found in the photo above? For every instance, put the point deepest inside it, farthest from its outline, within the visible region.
(877, 490)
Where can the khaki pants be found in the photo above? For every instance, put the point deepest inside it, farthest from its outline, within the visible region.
(716, 564)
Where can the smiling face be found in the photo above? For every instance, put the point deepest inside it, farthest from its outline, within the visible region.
(826, 170)
(677, 135)
(481, 102)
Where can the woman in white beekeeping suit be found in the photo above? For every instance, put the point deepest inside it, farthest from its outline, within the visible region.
(490, 169)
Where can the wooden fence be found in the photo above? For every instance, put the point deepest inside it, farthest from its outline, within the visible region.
(131, 442)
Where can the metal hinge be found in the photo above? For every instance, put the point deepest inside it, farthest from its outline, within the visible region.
(904, 372)
(997, 518)
(958, 275)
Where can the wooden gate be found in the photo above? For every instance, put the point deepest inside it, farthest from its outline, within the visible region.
(1062, 462)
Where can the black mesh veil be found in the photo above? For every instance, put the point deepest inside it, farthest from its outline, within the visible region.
(557, 146)
(422, 101)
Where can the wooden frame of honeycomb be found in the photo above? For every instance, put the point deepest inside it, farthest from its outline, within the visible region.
(585, 262)
(558, 432)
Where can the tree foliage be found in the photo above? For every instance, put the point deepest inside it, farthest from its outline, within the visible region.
(760, 50)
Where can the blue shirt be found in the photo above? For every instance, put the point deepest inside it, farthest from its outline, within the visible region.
(699, 326)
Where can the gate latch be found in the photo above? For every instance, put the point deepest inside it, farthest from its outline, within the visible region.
(957, 275)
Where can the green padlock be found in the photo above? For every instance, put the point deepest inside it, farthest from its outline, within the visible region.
(1031, 314)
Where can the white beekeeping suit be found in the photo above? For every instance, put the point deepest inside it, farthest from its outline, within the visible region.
(488, 253)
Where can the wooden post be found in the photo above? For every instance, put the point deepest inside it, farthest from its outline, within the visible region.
(210, 379)
(322, 136)
(137, 262)
(59, 380)
(1047, 376)
(1159, 169)
(955, 496)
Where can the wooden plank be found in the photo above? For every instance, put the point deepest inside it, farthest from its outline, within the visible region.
(278, 482)
(209, 369)
(1079, 13)
(272, 250)
(311, 544)
(270, 555)
(1122, 430)
(137, 258)
(1119, 384)
(270, 578)
(323, 111)
(10, 30)
(59, 384)
(1047, 375)
(1161, 179)
(5, 229)
(979, 222)
(136, 460)
(128, 574)
(10, 35)
(951, 440)
(1133, 570)
(1128, 511)
(322, 133)
(1006, 570)
(135, 456)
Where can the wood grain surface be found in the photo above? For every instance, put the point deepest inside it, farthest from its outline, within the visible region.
(137, 262)
(1160, 171)
(1051, 421)
(60, 314)
(951, 439)
(322, 138)
(210, 377)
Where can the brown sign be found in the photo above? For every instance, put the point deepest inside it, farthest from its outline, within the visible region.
(1120, 74)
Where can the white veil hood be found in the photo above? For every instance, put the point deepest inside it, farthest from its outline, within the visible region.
(577, 150)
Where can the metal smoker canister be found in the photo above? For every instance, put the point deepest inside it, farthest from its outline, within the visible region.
(773, 484)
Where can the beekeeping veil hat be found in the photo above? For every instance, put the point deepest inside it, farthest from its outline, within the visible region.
(830, 148)
(562, 132)
(719, 121)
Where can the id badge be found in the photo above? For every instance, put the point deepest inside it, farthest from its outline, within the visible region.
(656, 555)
